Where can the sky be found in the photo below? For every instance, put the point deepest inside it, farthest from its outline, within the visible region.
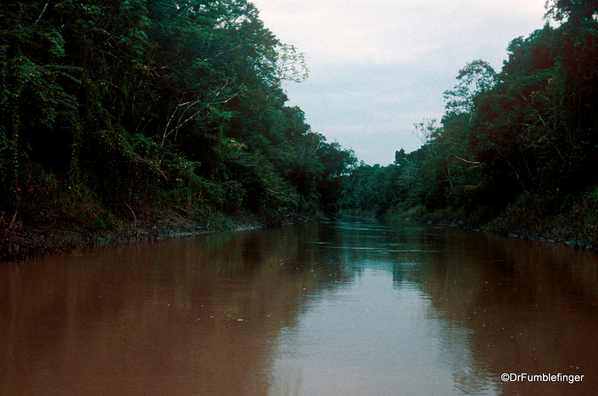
(377, 67)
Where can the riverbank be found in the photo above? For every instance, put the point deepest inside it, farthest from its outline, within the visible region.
(568, 229)
(20, 241)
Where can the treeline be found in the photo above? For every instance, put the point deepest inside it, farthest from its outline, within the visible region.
(111, 106)
(518, 148)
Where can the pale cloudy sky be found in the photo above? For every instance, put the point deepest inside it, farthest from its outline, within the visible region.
(379, 66)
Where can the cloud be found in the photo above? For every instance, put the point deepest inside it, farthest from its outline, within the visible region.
(379, 66)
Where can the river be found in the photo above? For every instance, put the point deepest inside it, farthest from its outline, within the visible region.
(354, 306)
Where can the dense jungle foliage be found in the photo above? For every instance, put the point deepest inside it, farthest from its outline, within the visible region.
(517, 148)
(108, 107)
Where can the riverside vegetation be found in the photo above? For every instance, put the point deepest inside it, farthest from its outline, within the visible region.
(516, 151)
(119, 118)
(134, 119)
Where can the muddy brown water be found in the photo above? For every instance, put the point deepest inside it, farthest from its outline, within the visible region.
(346, 307)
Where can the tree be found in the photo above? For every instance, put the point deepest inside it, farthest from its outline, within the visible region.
(574, 11)
(475, 78)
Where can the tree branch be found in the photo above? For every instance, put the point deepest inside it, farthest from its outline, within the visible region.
(466, 161)
(42, 13)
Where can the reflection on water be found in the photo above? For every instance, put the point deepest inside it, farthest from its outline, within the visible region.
(350, 307)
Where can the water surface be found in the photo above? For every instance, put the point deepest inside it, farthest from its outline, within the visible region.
(347, 307)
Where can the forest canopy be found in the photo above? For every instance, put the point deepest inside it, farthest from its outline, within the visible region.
(517, 147)
(109, 106)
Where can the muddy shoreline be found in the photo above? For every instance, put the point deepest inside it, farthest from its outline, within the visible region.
(20, 242)
(578, 240)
